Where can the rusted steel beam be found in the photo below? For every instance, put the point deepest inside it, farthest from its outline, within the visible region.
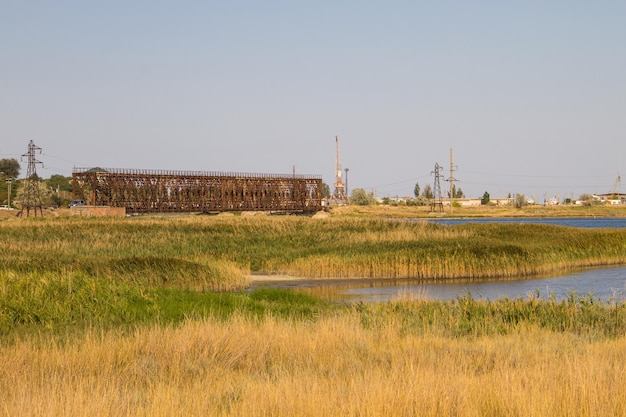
(146, 191)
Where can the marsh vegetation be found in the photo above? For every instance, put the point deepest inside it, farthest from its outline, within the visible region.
(149, 316)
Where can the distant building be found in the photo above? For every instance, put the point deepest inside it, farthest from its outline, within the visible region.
(610, 198)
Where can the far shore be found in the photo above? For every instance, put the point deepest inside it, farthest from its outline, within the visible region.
(270, 277)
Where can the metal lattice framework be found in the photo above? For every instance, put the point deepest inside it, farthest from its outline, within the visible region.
(437, 203)
(31, 196)
(146, 191)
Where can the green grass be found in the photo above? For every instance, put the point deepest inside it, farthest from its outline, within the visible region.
(78, 300)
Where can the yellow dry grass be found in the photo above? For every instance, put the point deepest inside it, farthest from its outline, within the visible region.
(481, 211)
(332, 367)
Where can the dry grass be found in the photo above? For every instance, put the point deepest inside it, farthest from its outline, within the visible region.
(481, 211)
(330, 367)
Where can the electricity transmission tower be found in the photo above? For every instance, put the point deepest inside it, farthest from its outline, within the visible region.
(452, 180)
(31, 196)
(437, 203)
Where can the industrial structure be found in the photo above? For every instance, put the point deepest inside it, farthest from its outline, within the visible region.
(31, 194)
(615, 191)
(452, 180)
(339, 196)
(437, 203)
(154, 191)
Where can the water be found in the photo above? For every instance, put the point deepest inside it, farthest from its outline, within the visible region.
(584, 222)
(607, 284)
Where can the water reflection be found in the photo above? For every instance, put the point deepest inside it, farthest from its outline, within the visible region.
(606, 284)
(582, 222)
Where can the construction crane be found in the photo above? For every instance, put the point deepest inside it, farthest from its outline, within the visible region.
(615, 194)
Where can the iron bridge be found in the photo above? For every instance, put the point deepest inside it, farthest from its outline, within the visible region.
(150, 191)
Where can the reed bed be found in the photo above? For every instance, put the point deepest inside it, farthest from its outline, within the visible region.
(211, 251)
(56, 270)
(338, 364)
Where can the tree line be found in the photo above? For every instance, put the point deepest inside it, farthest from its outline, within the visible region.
(424, 197)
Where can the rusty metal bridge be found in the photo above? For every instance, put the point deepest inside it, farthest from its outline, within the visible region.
(155, 191)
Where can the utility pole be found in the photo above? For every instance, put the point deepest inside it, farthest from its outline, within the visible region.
(347, 194)
(452, 180)
(31, 198)
(9, 181)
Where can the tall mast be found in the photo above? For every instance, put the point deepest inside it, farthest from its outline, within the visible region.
(338, 161)
(339, 194)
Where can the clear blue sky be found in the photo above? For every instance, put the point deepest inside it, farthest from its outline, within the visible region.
(531, 96)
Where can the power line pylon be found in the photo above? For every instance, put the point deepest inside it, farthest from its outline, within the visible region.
(452, 180)
(339, 196)
(437, 203)
(31, 196)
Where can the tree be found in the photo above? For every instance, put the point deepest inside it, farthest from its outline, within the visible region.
(325, 190)
(10, 167)
(416, 190)
(586, 199)
(60, 188)
(520, 200)
(360, 198)
(428, 192)
(485, 200)
(456, 193)
(59, 182)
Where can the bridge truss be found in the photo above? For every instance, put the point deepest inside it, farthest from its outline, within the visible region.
(149, 191)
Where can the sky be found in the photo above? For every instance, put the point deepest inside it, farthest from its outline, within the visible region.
(529, 96)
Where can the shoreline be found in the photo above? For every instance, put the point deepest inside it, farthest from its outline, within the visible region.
(270, 277)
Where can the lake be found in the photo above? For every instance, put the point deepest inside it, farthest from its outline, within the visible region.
(606, 284)
(584, 222)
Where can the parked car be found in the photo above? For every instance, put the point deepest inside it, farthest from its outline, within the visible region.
(75, 203)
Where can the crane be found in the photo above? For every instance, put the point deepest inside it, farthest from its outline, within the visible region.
(615, 191)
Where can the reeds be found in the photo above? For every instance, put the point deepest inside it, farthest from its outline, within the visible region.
(206, 252)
